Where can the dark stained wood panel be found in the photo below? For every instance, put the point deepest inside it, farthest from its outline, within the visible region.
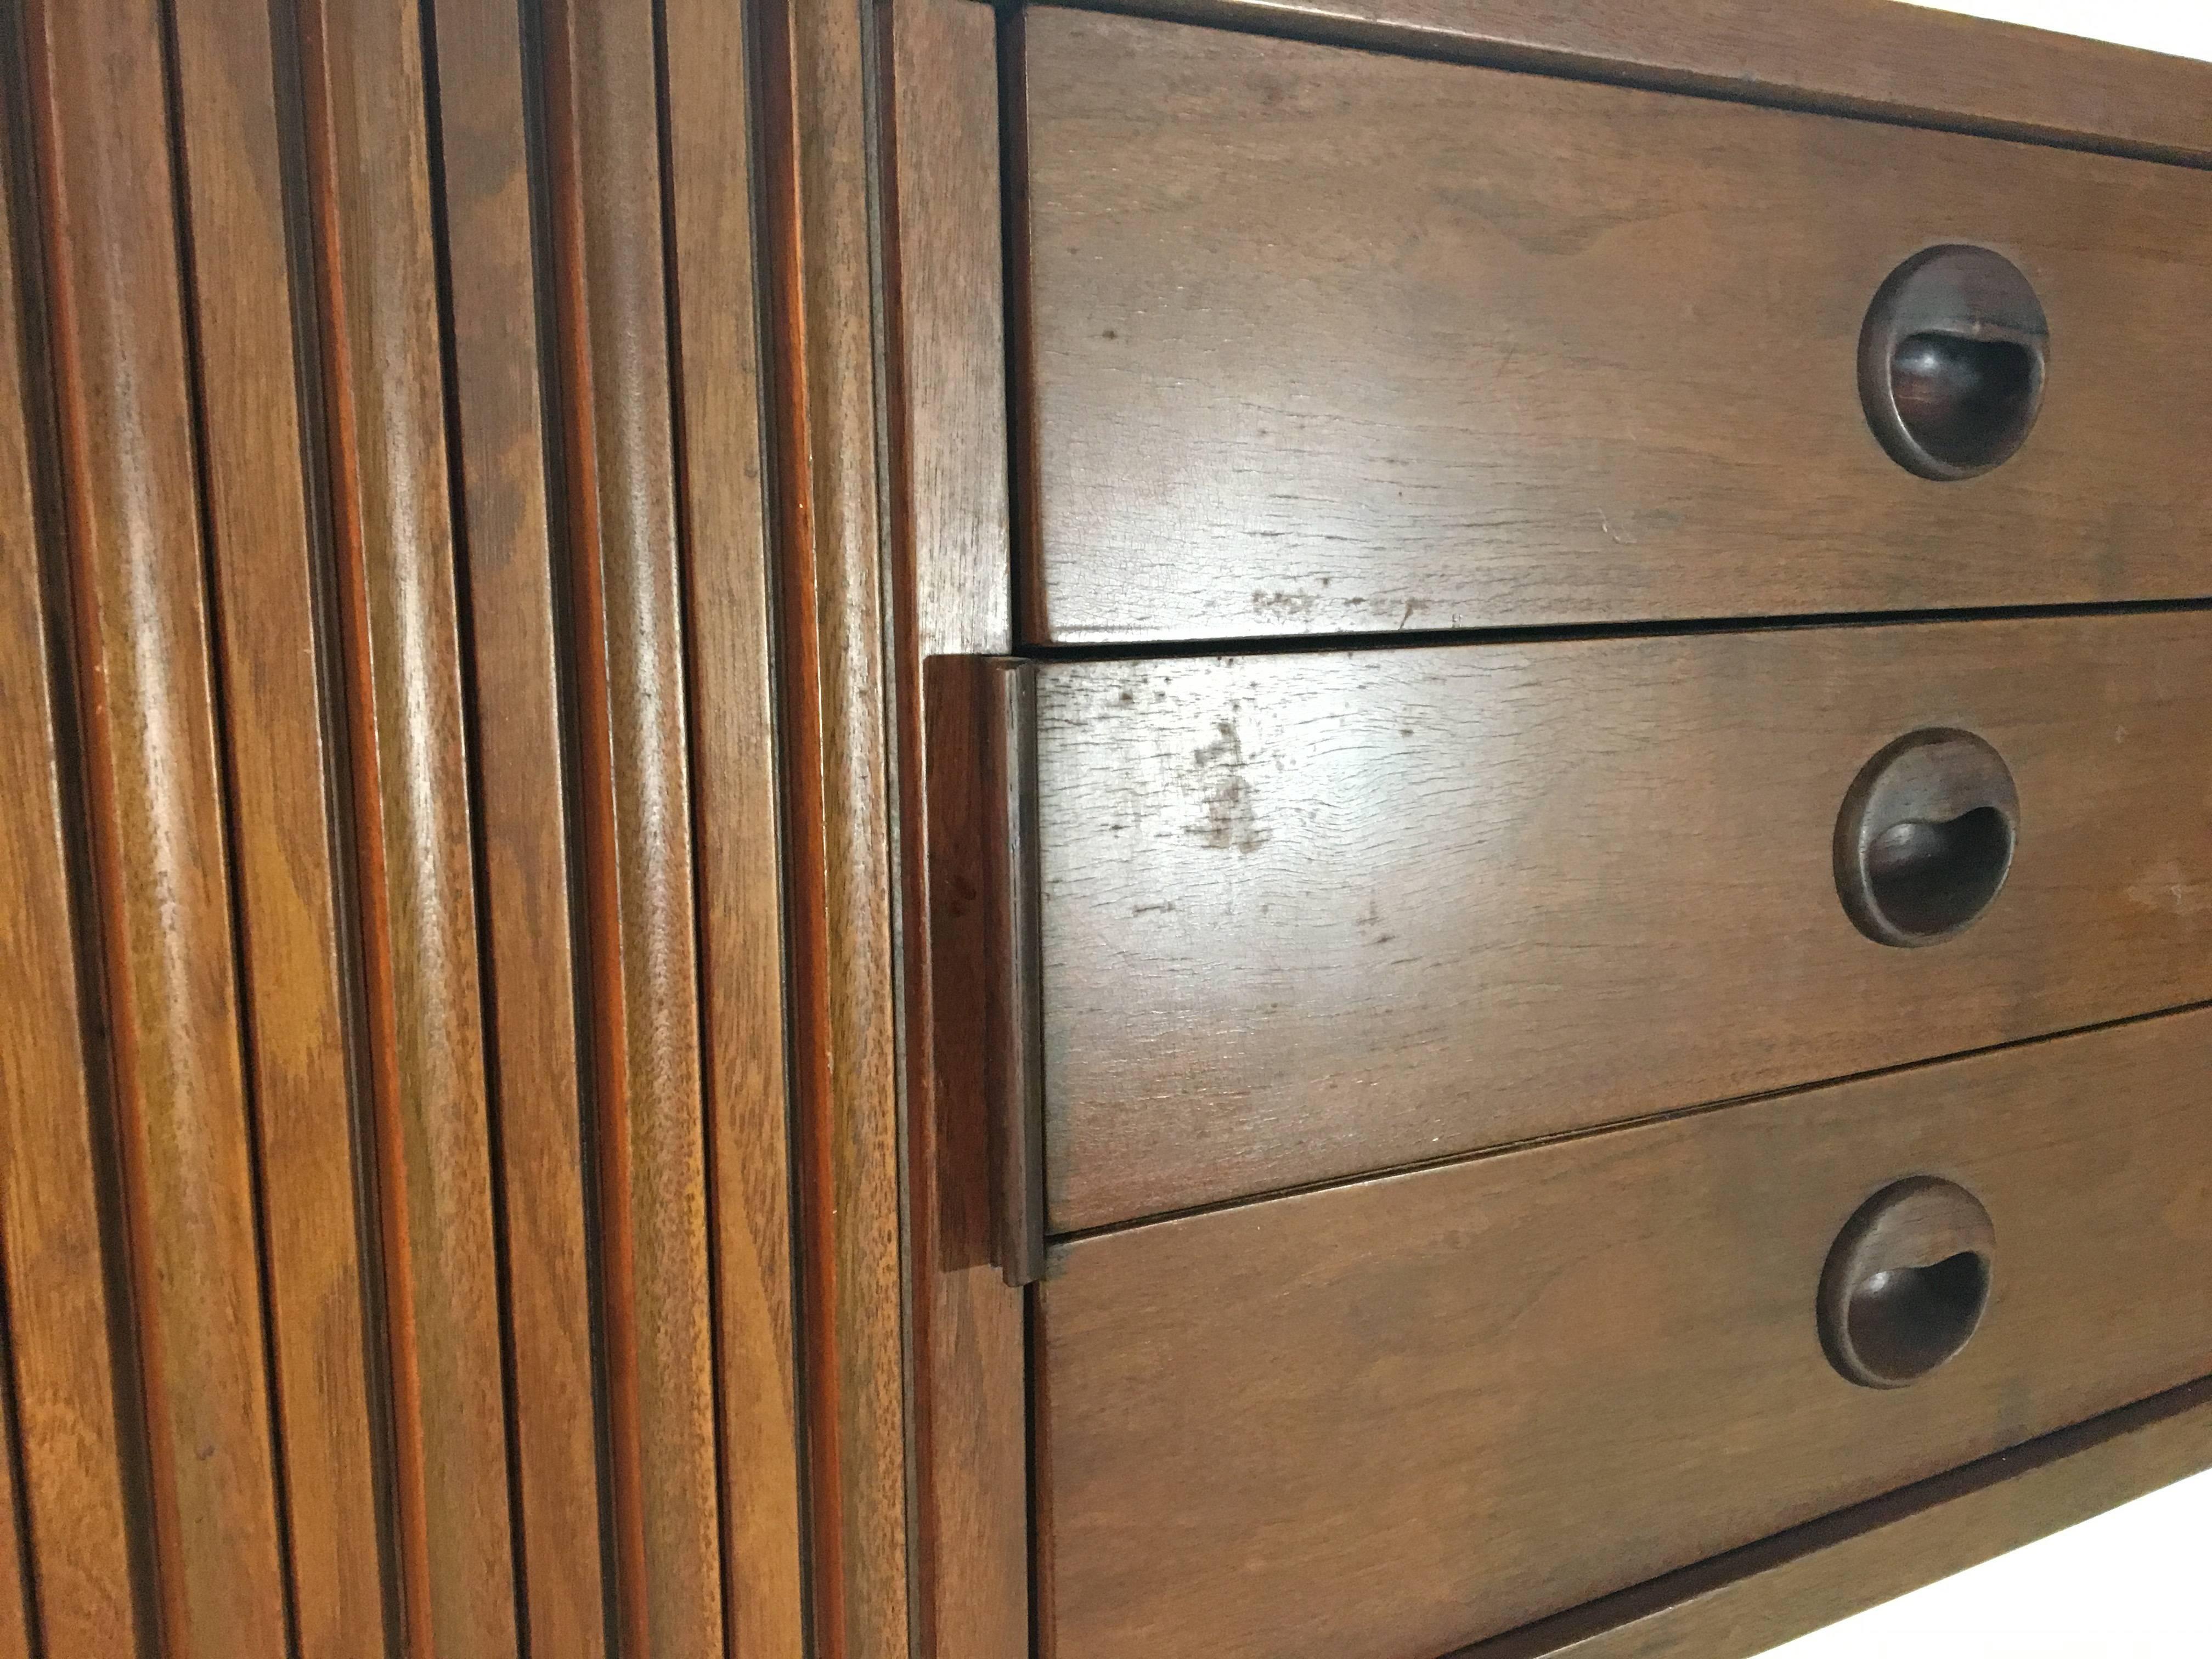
(1330, 342)
(520, 661)
(1371, 1422)
(281, 771)
(952, 572)
(727, 567)
(946, 263)
(604, 139)
(77, 1460)
(390, 491)
(1308, 915)
(1912, 62)
(153, 773)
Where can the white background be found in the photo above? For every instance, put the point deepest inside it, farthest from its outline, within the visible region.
(2136, 1584)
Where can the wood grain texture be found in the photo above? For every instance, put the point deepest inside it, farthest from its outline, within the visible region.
(1862, 57)
(281, 771)
(1750, 1600)
(723, 481)
(819, 166)
(75, 1405)
(604, 138)
(1309, 915)
(952, 565)
(530, 926)
(368, 173)
(945, 265)
(1368, 1423)
(1402, 344)
(154, 770)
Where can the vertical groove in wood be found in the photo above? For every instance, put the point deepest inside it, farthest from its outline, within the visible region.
(369, 180)
(604, 140)
(270, 638)
(522, 753)
(75, 1448)
(723, 503)
(838, 778)
(16, 1634)
(951, 566)
(99, 101)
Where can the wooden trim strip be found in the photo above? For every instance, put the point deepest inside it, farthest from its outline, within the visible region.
(838, 773)
(1875, 59)
(79, 1459)
(972, 1430)
(523, 755)
(272, 645)
(721, 475)
(368, 171)
(943, 282)
(1755, 1598)
(952, 564)
(604, 132)
(98, 103)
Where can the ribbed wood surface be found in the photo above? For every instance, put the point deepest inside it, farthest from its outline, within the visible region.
(396, 1229)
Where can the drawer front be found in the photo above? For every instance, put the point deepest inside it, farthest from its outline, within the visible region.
(1376, 1421)
(1324, 341)
(1304, 916)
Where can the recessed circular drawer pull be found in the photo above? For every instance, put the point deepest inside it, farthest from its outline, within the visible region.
(1925, 841)
(1951, 360)
(1907, 1282)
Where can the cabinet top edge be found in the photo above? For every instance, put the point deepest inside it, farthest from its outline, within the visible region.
(1885, 60)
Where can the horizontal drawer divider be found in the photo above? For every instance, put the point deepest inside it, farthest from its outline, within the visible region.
(1568, 633)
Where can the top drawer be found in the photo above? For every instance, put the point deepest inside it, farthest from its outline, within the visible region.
(1327, 342)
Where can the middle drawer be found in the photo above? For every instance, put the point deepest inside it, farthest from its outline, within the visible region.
(1304, 916)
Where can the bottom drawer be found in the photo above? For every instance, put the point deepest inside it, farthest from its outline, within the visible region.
(1380, 1421)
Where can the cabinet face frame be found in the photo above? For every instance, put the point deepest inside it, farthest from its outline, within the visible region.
(1841, 57)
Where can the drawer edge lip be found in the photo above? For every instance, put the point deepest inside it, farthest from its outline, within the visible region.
(1753, 1598)
(2037, 86)
(1139, 644)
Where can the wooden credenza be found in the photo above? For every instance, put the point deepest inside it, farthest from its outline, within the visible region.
(881, 829)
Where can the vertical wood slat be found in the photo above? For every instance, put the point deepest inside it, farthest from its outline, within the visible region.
(603, 127)
(529, 926)
(281, 773)
(837, 777)
(708, 63)
(98, 105)
(369, 170)
(75, 1493)
(953, 567)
